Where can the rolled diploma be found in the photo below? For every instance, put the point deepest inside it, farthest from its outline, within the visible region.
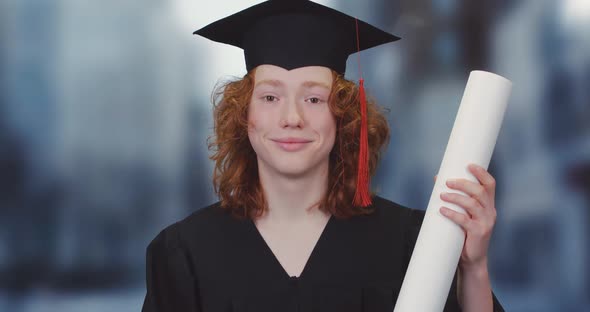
(438, 248)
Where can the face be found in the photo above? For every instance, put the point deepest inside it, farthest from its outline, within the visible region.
(291, 127)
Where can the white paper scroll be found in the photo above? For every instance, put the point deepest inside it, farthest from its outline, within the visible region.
(438, 248)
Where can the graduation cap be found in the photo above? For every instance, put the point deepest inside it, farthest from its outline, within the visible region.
(298, 33)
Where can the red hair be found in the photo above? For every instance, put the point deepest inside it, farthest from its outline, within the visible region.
(235, 176)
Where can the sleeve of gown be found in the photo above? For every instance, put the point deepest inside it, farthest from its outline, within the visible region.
(171, 285)
(415, 222)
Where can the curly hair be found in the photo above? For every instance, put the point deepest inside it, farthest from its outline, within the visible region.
(235, 175)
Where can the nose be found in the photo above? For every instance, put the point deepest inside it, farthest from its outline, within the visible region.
(291, 115)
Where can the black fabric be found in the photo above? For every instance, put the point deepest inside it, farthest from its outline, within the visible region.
(213, 262)
(294, 33)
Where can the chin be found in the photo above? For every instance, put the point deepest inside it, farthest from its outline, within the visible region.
(292, 170)
(295, 167)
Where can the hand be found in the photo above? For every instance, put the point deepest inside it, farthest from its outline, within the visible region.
(480, 217)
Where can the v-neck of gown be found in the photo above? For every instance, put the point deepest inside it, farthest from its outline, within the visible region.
(270, 254)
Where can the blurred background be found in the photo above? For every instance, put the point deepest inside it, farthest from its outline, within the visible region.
(105, 110)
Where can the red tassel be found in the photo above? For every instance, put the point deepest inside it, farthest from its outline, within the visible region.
(362, 198)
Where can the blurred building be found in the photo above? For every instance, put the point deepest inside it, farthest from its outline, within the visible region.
(122, 130)
(26, 106)
(95, 130)
(545, 140)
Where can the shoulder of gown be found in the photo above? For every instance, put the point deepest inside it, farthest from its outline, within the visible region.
(170, 281)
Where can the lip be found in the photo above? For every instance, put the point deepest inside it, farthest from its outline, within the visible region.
(291, 144)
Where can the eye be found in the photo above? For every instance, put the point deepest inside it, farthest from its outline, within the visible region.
(269, 98)
(314, 100)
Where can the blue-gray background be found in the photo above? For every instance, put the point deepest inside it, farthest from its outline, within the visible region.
(105, 110)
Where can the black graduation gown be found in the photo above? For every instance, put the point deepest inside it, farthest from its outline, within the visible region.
(213, 262)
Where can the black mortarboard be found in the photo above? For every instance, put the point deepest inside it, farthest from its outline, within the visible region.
(295, 33)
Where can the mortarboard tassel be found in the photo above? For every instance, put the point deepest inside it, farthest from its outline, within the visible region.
(362, 198)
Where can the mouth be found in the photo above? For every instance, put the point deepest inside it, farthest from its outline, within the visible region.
(291, 144)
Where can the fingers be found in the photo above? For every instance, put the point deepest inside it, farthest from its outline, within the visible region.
(460, 219)
(473, 190)
(483, 192)
(472, 227)
(484, 177)
(477, 199)
(470, 204)
(476, 231)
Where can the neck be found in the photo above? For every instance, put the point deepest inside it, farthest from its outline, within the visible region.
(293, 198)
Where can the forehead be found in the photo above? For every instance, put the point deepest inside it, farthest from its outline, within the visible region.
(295, 77)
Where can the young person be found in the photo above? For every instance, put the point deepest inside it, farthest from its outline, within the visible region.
(295, 143)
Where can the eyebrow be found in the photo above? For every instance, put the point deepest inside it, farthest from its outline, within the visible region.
(311, 84)
(278, 83)
(274, 83)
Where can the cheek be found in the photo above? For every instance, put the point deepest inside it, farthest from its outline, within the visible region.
(256, 117)
(256, 128)
(251, 125)
(252, 122)
(328, 128)
(332, 131)
(252, 131)
(330, 125)
(253, 136)
(252, 119)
